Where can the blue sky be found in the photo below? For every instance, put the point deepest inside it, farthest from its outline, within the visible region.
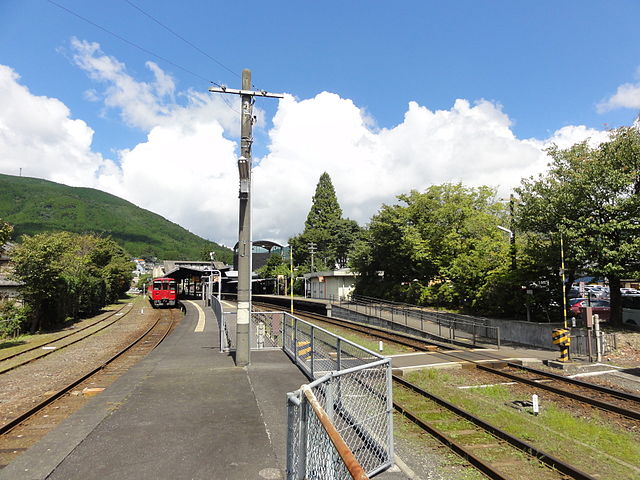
(526, 70)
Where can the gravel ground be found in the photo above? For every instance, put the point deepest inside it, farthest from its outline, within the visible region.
(23, 387)
(620, 368)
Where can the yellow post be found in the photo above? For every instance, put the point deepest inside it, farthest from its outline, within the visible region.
(563, 340)
(564, 287)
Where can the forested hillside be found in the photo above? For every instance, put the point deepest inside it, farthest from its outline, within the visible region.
(33, 205)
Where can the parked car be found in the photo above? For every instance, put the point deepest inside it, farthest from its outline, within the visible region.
(574, 292)
(573, 301)
(600, 307)
(631, 310)
(629, 291)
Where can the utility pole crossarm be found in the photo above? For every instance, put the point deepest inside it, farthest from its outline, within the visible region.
(253, 93)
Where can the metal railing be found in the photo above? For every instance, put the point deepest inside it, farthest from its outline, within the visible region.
(343, 419)
(341, 424)
(329, 456)
(446, 325)
(584, 342)
(218, 311)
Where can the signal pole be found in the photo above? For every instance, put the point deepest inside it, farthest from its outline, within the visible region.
(243, 319)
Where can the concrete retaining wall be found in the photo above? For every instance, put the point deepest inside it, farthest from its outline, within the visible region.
(526, 333)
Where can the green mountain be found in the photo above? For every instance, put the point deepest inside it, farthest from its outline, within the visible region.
(33, 206)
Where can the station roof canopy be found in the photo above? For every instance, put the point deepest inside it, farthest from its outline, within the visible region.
(266, 244)
(184, 270)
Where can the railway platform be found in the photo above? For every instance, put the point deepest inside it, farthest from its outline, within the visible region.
(184, 412)
(525, 355)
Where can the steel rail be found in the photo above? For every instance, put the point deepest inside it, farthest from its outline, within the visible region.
(62, 337)
(529, 449)
(635, 415)
(400, 338)
(592, 386)
(600, 388)
(7, 427)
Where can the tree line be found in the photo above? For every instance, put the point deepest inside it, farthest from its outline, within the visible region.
(461, 247)
(63, 276)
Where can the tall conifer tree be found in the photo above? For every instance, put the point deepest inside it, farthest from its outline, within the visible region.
(326, 229)
(325, 209)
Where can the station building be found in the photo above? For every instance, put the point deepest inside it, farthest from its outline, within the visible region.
(331, 284)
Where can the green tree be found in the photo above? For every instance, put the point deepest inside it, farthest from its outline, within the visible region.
(13, 318)
(591, 196)
(37, 263)
(437, 248)
(331, 235)
(143, 281)
(69, 275)
(274, 267)
(5, 233)
(113, 266)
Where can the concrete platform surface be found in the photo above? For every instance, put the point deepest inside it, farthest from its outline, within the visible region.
(184, 412)
(457, 358)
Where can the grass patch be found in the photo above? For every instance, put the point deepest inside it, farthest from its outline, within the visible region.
(593, 444)
(14, 342)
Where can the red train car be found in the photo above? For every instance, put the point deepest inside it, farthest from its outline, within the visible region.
(163, 292)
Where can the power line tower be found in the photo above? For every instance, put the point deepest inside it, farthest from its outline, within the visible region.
(245, 249)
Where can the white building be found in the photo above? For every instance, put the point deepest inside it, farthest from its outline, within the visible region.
(333, 284)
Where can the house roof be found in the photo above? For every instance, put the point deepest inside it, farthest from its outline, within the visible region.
(342, 272)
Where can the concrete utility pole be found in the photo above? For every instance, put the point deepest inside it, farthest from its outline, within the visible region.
(243, 321)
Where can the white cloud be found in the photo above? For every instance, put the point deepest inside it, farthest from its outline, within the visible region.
(627, 96)
(572, 134)
(471, 144)
(186, 174)
(38, 135)
(145, 105)
(186, 169)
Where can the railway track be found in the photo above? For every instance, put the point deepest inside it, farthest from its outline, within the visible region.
(29, 426)
(494, 452)
(607, 399)
(41, 349)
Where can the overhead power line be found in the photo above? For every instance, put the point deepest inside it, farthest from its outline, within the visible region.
(182, 38)
(129, 42)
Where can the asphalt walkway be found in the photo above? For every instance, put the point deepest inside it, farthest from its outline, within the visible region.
(184, 412)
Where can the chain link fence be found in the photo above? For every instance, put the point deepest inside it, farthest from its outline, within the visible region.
(352, 392)
(413, 320)
(340, 425)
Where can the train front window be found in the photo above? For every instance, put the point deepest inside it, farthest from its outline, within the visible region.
(157, 285)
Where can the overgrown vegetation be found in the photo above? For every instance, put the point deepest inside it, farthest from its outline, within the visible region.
(13, 318)
(66, 275)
